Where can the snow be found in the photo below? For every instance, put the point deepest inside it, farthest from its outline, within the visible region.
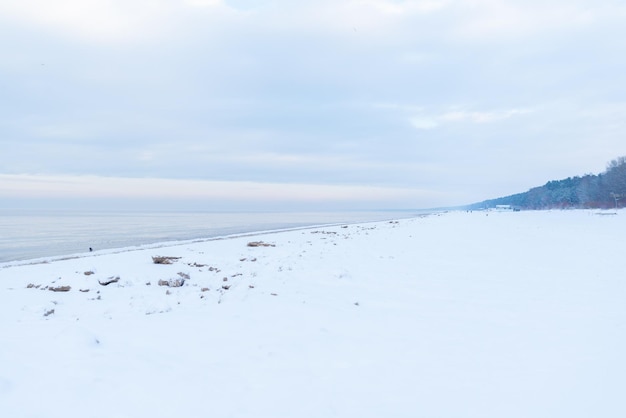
(450, 315)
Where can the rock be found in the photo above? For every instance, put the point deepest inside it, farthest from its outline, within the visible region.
(172, 282)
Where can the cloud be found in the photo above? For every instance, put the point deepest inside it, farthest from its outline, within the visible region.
(481, 117)
(352, 21)
(204, 3)
(501, 21)
(28, 186)
(432, 121)
(106, 21)
(424, 123)
(92, 18)
(370, 21)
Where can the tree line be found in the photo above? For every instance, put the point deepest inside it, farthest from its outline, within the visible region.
(604, 190)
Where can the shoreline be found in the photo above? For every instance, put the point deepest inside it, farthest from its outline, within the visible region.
(185, 227)
(161, 244)
(166, 244)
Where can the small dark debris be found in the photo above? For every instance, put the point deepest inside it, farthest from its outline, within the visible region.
(109, 280)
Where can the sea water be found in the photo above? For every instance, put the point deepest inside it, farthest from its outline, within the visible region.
(32, 234)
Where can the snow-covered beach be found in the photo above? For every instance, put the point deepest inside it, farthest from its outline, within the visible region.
(449, 315)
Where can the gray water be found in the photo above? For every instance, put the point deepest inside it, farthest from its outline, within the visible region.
(26, 235)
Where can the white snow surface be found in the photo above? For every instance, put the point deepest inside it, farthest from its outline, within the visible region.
(450, 315)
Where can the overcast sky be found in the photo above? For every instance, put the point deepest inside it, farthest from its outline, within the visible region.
(295, 104)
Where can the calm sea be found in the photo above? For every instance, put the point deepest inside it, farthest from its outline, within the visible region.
(26, 235)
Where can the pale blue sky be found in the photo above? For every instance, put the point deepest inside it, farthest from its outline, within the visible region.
(308, 104)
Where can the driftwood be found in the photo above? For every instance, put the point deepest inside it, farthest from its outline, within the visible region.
(60, 289)
(160, 259)
(260, 244)
(109, 280)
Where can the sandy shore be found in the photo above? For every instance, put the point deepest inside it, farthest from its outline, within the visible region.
(452, 315)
